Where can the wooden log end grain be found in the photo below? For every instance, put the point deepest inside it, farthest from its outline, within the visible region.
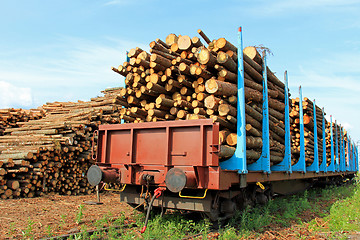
(222, 135)
(205, 57)
(253, 54)
(196, 42)
(225, 45)
(171, 39)
(184, 42)
(231, 139)
(220, 88)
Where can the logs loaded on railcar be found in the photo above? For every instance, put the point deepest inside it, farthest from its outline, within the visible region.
(248, 138)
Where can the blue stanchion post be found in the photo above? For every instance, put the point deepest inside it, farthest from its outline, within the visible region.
(342, 150)
(352, 163)
(347, 151)
(331, 167)
(314, 167)
(351, 152)
(336, 148)
(128, 60)
(263, 163)
(350, 156)
(356, 167)
(356, 159)
(285, 165)
(238, 160)
(323, 165)
(300, 166)
(353, 157)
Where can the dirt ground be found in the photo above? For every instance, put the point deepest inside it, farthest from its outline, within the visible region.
(57, 214)
(54, 212)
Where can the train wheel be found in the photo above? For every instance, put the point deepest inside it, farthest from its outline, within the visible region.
(213, 215)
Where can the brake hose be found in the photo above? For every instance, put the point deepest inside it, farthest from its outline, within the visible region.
(157, 193)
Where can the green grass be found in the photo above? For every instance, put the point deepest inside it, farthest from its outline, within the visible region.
(80, 214)
(285, 212)
(282, 212)
(332, 210)
(27, 234)
(344, 214)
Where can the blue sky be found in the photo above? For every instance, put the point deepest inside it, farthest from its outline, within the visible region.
(63, 50)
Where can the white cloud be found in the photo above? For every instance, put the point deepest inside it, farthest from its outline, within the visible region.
(312, 78)
(73, 69)
(347, 125)
(335, 84)
(14, 96)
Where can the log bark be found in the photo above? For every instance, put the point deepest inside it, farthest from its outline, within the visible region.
(226, 152)
(217, 87)
(206, 57)
(252, 131)
(202, 34)
(226, 61)
(226, 109)
(225, 45)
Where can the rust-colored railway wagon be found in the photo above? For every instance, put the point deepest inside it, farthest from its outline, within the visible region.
(180, 164)
(181, 159)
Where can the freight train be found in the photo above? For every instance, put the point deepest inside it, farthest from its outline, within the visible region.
(175, 164)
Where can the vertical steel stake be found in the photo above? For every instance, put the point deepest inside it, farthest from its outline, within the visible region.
(238, 160)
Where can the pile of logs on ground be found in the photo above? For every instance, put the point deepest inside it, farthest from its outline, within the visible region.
(183, 78)
(9, 118)
(53, 154)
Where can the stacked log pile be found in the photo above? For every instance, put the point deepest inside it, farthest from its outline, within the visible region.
(347, 149)
(308, 118)
(308, 107)
(10, 117)
(182, 78)
(53, 154)
(336, 136)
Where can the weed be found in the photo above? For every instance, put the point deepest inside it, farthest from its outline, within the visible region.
(172, 227)
(103, 222)
(345, 214)
(80, 214)
(12, 228)
(28, 231)
(49, 232)
(120, 220)
(62, 221)
(228, 233)
(84, 234)
(97, 235)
